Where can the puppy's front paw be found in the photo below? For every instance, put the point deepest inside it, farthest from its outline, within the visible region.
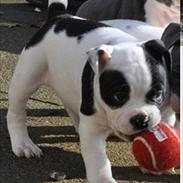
(25, 148)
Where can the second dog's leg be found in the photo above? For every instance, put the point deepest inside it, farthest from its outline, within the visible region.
(26, 79)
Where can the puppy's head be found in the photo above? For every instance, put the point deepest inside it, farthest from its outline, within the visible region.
(130, 84)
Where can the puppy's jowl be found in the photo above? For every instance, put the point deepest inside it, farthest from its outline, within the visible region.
(107, 81)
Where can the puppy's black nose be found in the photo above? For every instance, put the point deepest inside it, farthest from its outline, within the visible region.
(139, 121)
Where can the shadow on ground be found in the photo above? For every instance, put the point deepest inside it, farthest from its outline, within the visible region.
(21, 170)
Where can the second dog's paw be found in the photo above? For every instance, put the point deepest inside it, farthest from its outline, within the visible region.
(26, 148)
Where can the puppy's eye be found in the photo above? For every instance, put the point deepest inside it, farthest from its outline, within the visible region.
(155, 96)
(158, 97)
(121, 96)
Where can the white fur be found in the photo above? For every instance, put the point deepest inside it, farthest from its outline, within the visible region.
(65, 2)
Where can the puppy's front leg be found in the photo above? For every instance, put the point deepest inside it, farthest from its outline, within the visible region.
(93, 142)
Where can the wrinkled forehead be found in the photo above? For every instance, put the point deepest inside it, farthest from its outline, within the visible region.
(130, 59)
(127, 54)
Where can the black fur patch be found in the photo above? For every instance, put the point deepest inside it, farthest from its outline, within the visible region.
(114, 88)
(159, 87)
(175, 72)
(171, 38)
(87, 104)
(37, 38)
(74, 28)
(56, 9)
(171, 35)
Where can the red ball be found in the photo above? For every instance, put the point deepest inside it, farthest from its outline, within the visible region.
(157, 150)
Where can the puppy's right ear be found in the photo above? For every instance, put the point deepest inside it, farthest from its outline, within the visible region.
(99, 57)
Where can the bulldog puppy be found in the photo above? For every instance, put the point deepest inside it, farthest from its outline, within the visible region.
(107, 80)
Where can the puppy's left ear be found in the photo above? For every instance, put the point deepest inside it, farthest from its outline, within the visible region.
(157, 49)
(99, 57)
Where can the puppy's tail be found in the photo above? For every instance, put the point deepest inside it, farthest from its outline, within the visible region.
(56, 7)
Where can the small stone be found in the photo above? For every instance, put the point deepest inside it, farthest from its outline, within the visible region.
(37, 10)
(57, 176)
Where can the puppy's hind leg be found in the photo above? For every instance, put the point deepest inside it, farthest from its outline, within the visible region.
(28, 76)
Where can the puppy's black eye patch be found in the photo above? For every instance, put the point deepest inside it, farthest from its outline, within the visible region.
(159, 87)
(114, 89)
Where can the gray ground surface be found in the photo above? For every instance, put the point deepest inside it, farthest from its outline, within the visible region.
(48, 123)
